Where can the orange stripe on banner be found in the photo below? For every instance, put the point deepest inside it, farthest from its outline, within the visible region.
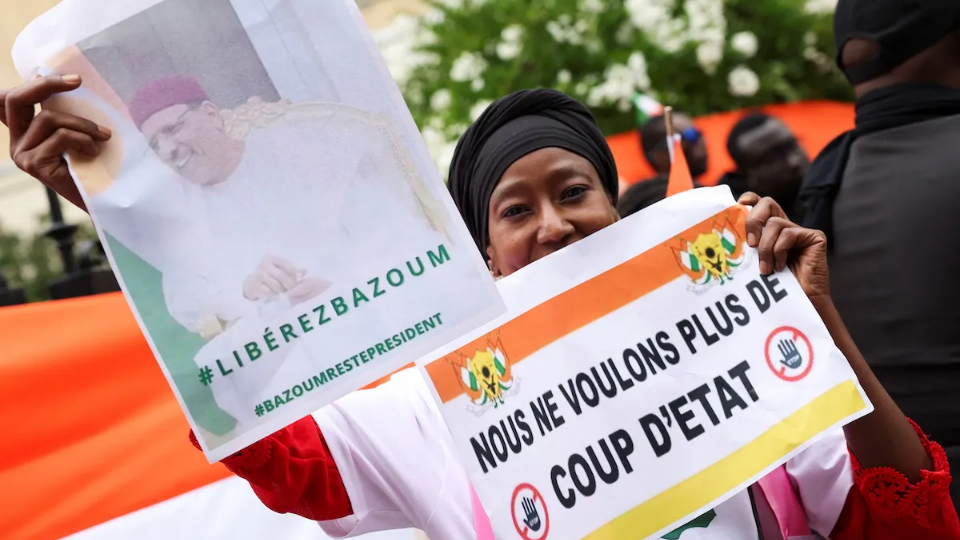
(577, 307)
(91, 431)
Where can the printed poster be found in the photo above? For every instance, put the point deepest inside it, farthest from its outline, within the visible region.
(266, 201)
(641, 380)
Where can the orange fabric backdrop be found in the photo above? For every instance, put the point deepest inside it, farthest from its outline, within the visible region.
(91, 431)
(815, 123)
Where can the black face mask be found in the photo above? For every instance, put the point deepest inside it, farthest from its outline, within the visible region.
(901, 28)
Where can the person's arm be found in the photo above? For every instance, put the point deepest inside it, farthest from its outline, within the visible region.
(385, 447)
(293, 472)
(884, 505)
(884, 438)
(844, 501)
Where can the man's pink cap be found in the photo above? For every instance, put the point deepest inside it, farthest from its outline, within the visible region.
(163, 94)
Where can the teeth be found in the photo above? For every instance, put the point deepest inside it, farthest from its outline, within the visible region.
(183, 162)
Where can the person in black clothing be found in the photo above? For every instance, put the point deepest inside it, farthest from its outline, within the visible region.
(769, 160)
(653, 141)
(887, 196)
(641, 195)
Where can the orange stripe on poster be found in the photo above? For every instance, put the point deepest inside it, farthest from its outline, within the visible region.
(577, 307)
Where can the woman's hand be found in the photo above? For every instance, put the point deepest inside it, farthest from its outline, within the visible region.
(39, 141)
(783, 244)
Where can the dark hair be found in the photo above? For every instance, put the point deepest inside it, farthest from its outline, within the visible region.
(744, 125)
(642, 195)
(652, 134)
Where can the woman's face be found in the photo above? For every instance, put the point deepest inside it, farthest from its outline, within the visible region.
(545, 201)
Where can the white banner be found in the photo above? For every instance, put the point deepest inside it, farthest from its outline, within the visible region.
(266, 201)
(641, 377)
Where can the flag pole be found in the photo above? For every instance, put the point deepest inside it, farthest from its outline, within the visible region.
(668, 122)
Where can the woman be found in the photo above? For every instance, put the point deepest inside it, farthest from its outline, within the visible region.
(531, 176)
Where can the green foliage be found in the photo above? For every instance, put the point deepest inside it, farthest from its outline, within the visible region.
(31, 262)
(680, 52)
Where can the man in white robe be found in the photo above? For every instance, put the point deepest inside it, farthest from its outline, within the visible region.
(337, 165)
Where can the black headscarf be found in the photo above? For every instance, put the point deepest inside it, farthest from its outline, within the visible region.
(511, 128)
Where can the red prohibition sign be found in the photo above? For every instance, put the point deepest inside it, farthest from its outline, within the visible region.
(779, 369)
(521, 527)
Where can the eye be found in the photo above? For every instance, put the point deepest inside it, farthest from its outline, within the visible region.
(514, 211)
(573, 192)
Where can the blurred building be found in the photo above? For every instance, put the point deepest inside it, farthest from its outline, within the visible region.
(23, 201)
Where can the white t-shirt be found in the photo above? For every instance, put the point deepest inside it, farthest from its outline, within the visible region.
(401, 470)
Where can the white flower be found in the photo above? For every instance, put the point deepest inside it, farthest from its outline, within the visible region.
(743, 82)
(704, 22)
(512, 42)
(435, 16)
(638, 67)
(564, 77)
(745, 43)
(445, 158)
(440, 100)
(592, 6)
(469, 66)
(434, 140)
(478, 109)
(620, 82)
(426, 36)
(647, 14)
(512, 34)
(820, 6)
(508, 51)
(709, 55)
(399, 43)
(563, 31)
(478, 85)
(556, 31)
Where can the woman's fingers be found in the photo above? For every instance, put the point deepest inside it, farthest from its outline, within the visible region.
(763, 210)
(19, 104)
(749, 199)
(49, 122)
(766, 247)
(790, 238)
(45, 162)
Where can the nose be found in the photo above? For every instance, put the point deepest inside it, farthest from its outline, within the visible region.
(554, 227)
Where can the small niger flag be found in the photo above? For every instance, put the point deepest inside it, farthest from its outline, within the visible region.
(680, 179)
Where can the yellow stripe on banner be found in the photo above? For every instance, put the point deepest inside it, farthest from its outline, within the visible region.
(697, 491)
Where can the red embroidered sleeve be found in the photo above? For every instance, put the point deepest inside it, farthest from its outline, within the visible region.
(884, 505)
(292, 471)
